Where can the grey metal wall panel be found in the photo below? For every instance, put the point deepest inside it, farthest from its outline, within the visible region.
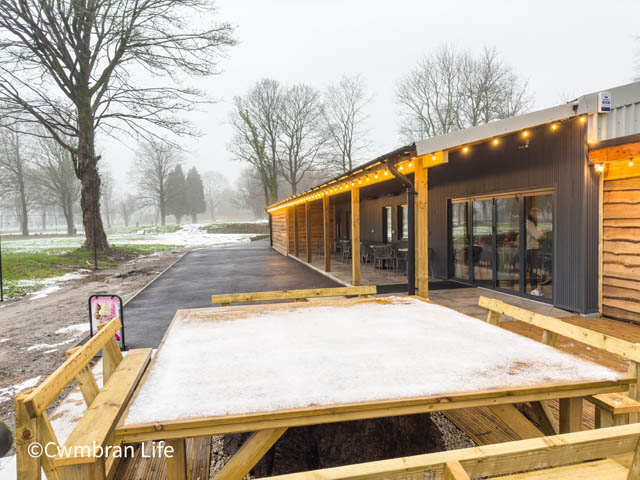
(554, 159)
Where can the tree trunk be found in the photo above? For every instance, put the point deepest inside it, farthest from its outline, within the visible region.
(24, 212)
(90, 204)
(68, 216)
(178, 218)
(44, 219)
(194, 218)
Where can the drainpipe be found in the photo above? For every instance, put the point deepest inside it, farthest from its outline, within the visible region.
(411, 260)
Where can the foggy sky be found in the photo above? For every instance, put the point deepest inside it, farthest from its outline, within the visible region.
(564, 48)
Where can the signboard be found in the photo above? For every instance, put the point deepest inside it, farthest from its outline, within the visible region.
(604, 102)
(103, 308)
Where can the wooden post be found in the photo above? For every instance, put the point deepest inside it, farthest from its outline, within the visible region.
(326, 225)
(453, 470)
(177, 463)
(250, 453)
(289, 222)
(421, 228)
(355, 236)
(28, 466)
(570, 415)
(307, 225)
(634, 389)
(86, 381)
(296, 248)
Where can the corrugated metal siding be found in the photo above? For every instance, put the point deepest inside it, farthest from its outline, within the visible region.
(553, 159)
(622, 121)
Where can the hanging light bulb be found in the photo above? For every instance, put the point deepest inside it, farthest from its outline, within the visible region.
(525, 134)
(631, 162)
(554, 126)
(410, 164)
(465, 149)
(495, 141)
(583, 119)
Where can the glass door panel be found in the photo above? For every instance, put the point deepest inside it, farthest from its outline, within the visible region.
(508, 243)
(482, 255)
(459, 241)
(539, 245)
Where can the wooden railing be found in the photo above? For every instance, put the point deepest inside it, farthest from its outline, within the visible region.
(229, 298)
(104, 407)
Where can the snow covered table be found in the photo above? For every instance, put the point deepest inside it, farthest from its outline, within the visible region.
(269, 367)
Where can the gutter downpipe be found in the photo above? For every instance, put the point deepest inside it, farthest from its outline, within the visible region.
(411, 261)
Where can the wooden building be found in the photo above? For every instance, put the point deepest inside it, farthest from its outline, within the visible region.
(545, 205)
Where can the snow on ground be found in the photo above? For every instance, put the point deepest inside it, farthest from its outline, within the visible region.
(302, 356)
(49, 347)
(187, 236)
(75, 329)
(50, 284)
(8, 392)
(2, 340)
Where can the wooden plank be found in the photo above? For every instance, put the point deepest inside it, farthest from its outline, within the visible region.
(493, 317)
(516, 421)
(624, 304)
(307, 226)
(616, 403)
(293, 294)
(570, 415)
(97, 424)
(618, 210)
(618, 153)
(454, 471)
(177, 462)
(85, 471)
(622, 247)
(355, 236)
(549, 338)
(547, 421)
(623, 184)
(491, 460)
(421, 227)
(599, 470)
(296, 236)
(85, 380)
(111, 357)
(46, 436)
(629, 284)
(40, 398)
(341, 413)
(595, 339)
(28, 466)
(634, 469)
(326, 227)
(629, 261)
(249, 454)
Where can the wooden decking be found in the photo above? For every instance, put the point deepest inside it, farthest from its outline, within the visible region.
(479, 423)
(484, 428)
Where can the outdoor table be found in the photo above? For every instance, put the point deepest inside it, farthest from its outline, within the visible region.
(264, 368)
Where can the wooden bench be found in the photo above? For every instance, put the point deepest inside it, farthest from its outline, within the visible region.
(603, 454)
(611, 408)
(95, 429)
(227, 299)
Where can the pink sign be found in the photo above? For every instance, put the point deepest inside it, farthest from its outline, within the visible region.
(104, 308)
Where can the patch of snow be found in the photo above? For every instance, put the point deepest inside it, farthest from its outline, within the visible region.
(47, 346)
(44, 292)
(8, 468)
(8, 392)
(51, 284)
(75, 329)
(2, 340)
(327, 355)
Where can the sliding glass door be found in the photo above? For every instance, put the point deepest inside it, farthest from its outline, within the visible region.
(504, 242)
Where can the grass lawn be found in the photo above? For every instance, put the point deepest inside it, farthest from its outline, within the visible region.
(24, 272)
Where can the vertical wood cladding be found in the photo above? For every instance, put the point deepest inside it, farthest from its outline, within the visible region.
(621, 249)
(279, 232)
(546, 158)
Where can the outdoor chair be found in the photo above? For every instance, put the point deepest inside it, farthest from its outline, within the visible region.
(346, 252)
(366, 255)
(383, 254)
(319, 247)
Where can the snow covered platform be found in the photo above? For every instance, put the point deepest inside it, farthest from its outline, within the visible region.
(232, 369)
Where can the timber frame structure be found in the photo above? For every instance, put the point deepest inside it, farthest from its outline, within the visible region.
(616, 404)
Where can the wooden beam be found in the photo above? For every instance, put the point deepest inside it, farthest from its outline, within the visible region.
(289, 228)
(570, 414)
(516, 421)
(548, 423)
(599, 340)
(634, 469)
(41, 397)
(177, 462)
(296, 246)
(421, 225)
(228, 298)
(28, 466)
(249, 454)
(491, 460)
(307, 226)
(604, 152)
(454, 471)
(85, 380)
(326, 226)
(355, 236)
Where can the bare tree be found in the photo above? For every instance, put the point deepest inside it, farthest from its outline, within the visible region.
(78, 67)
(154, 163)
(302, 135)
(127, 206)
(256, 121)
(452, 90)
(215, 185)
(247, 195)
(344, 115)
(107, 200)
(15, 176)
(55, 178)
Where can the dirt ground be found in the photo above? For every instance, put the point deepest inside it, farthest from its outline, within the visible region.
(29, 344)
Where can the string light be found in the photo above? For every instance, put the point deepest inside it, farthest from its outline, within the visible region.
(368, 177)
(410, 164)
(434, 157)
(465, 150)
(525, 134)
(554, 126)
(631, 163)
(599, 168)
(495, 141)
(400, 168)
(376, 176)
(386, 172)
(583, 119)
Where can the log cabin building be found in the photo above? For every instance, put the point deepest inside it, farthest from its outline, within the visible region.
(545, 205)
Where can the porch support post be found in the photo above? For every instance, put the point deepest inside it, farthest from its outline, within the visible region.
(421, 224)
(307, 226)
(355, 236)
(289, 222)
(325, 233)
(411, 260)
(296, 248)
